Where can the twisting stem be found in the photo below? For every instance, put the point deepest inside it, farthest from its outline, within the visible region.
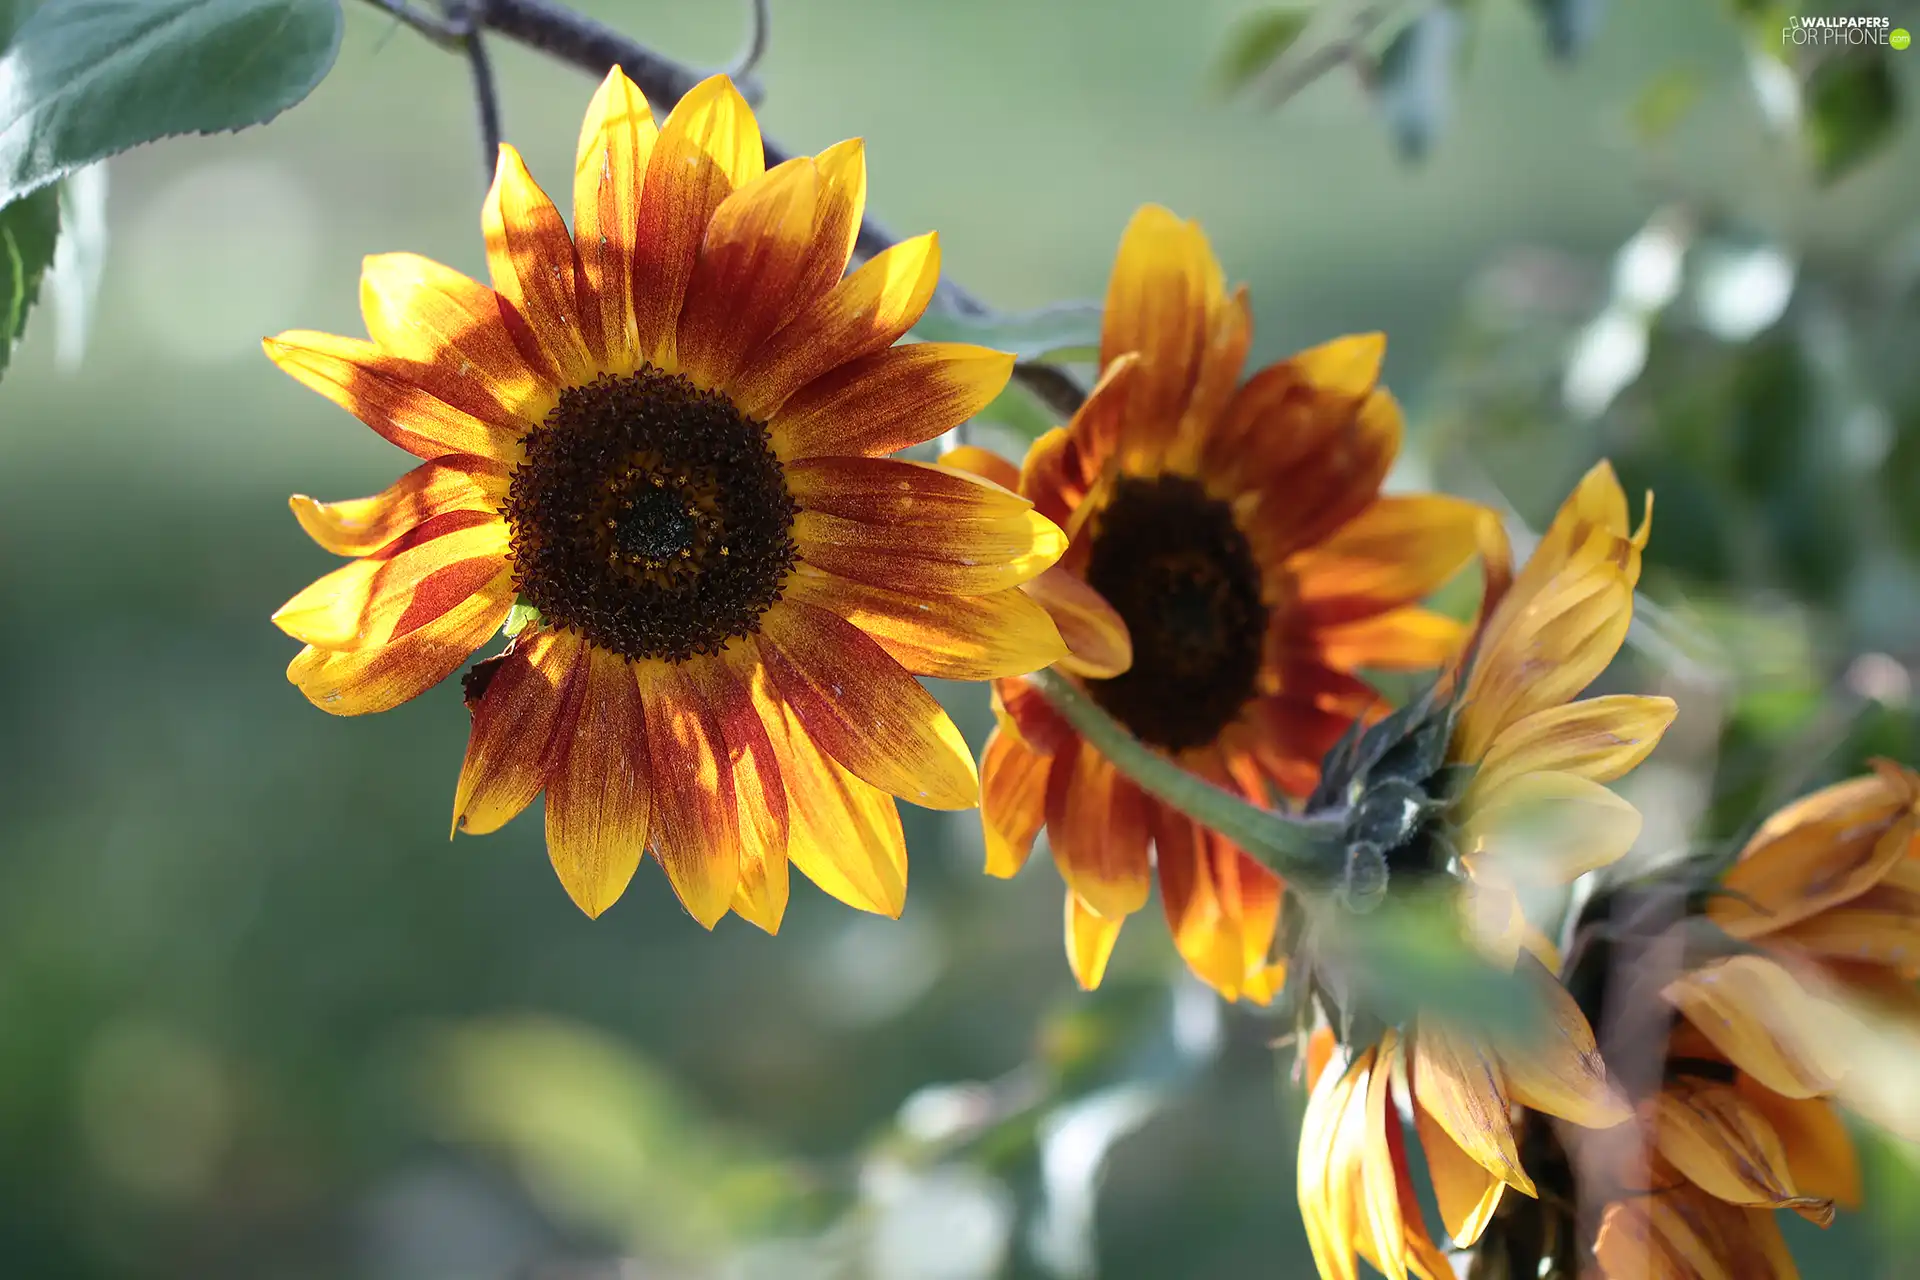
(756, 49)
(484, 91)
(580, 41)
(1307, 849)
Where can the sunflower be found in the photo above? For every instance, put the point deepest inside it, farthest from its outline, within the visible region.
(664, 437)
(1510, 771)
(1238, 532)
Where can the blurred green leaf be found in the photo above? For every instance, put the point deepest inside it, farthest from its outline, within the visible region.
(1256, 40)
(1663, 103)
(1069, 331)
(1569, 24)
(1408, 957)
(84, 79)
(1852, 109)
(29, 229)
(1414, 81)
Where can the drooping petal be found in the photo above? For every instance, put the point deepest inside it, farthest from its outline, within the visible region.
(1880, 926)
(696, 822)
(362, 526)
(402, 587)
(609, 169)
(756, 252)
(1222, 908)
(983, 637)
(1795, 872)
(600, 788)
(1466, 1192)
(527, 702)
(708, 147)
(418, 310)
(1546, 828)
(758, 785)
(1025, 712)
(427, 409)
(843, 834)
(1765, 1022)
(1400, 549)
(1090, 939)
(1013, 801)
(531, 259)
(863, 314)
(1688, 1235)
(353, 682)
(1098, 644)
(1558, 1069)
(1820, 1154)
(1399, 1244)
(1726, 1148)
(890, 400)
(863, 708)
(1097, 824)
(1598, 739)
(1333, 1135)
(1460, 1086)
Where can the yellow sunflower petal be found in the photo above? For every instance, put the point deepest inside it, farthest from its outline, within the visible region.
(759, 788)
(526, 702)
(1090, 940)
(863, 314)
(971, 555)
(609, 169)
(1097, 825)
(1820, 1153)
(1880, 926)
(1405, 639)
(1095, 635)
(843, 834)
(1222, 908)
(1002, 633)
(418, 310)
(1546, 828)
(1315, 490)
(1766, 1022)
(531, 259)
(1460, 1087)
(1558, 1070)
(696, 822)
(362, 526)
(836, 218)
(353, 682)
(1161, 297)
(1400, 1244)
(890, 400)
(1598, 739)
(1013, 801)
(984, 463)
(1688, 1235)
(1815, 855)
(1059, 465)
(426, 409)
(1466, 1192)
(750, 267)
(1400, 549)
(708, 147)
(863, 708)
(600, 786)
(1333, 1136)
(404, 586)
(1725, 1147)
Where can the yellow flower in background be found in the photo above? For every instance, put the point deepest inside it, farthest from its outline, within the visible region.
(665, 436)
(1238, 532)
(1531, 812)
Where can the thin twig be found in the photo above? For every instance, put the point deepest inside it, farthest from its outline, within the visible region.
(744, 65)
(580, 41)
(484, 90)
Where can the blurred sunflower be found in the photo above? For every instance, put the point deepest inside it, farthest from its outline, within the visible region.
(663, 437)
(1738, 1076)
(1468, 799)
(1233, 566)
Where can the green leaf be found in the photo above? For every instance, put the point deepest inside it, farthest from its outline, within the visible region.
(29, 229)
(1414, 82)
(1663, 103)
(1069, 331)
(1407, 958)
(1851, 111)
(84, 79)
(1256, 41)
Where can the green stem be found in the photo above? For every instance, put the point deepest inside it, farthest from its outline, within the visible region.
(1307, 849)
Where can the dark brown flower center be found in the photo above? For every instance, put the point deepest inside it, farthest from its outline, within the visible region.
(651, 517)
(1170, 559)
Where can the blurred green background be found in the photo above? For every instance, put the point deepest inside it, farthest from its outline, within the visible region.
(258, 1018)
